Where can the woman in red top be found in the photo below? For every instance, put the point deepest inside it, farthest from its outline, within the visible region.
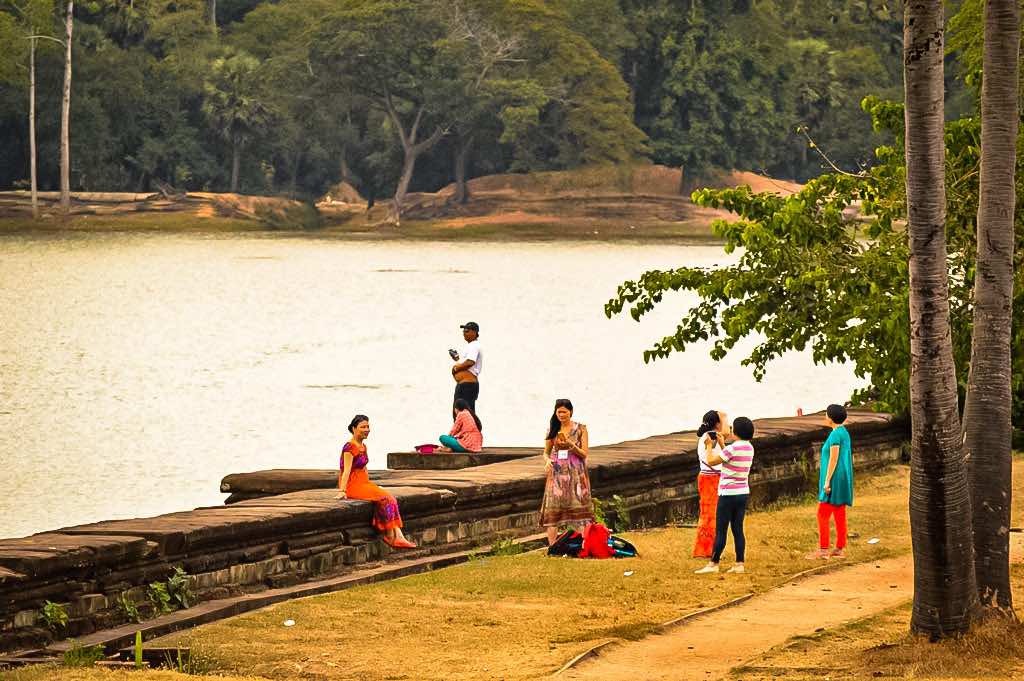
(354, 483)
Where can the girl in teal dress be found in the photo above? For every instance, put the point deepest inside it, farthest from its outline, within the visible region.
(835, 484)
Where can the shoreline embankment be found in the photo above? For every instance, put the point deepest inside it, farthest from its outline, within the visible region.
(300, 532)
(603, 202)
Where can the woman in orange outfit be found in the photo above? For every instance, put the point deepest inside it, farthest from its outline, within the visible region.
(354, 483)
(710, 438)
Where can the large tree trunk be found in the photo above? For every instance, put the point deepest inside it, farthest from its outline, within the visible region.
(346, 172)
(211, 8)
(408, 165)
(236, 163)
(945, 595)
(65, 116)
(462, 150)
(294, 183)
(32, 127)
(987, 424)
(411, 151)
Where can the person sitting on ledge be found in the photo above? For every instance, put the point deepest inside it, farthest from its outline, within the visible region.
(354, 483)
(465, 435)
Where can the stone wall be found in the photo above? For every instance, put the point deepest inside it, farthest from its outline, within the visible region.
(297, 536)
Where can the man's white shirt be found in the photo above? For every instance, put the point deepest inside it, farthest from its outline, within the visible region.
(472, 351)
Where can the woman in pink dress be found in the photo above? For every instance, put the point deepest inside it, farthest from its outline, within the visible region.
(567, 488)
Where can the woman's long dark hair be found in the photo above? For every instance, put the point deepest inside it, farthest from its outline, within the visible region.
(356, 420)
(711, 419)
(555, 423)
(461, 404)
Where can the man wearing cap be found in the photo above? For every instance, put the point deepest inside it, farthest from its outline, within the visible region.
(468, 364)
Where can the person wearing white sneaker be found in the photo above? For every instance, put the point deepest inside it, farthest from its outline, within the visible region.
(733, 493)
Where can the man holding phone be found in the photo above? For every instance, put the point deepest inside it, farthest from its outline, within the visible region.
(467, 367)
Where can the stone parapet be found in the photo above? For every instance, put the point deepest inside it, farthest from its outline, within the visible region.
(98, 570)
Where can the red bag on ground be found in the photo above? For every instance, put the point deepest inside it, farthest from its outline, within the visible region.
(595, 542)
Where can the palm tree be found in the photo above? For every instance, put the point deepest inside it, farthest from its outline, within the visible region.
(987, 424)
(233, 103)
(945, 595)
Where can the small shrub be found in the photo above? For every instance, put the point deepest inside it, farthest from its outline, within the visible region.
(179, 589)
(599, 511)
(296, 216)
(55, 616)
(621, 508)
(190, 661)
(80, 656)
(128, 608)
(159, 597)
(506, 547)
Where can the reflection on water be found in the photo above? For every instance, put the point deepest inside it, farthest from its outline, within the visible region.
(137, 370)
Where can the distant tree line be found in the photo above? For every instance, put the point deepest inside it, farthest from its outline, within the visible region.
(394, 96)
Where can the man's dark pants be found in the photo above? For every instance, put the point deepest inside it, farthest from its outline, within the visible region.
(468, 391)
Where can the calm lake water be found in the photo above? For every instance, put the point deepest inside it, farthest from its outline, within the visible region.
(137, 370)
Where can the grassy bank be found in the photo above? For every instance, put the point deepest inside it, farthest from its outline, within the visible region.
(522, 617)
(519, 617)
(551, 229)
(177, 223)
(433, 230)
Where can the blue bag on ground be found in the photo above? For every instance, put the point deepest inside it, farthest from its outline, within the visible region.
(621, 548)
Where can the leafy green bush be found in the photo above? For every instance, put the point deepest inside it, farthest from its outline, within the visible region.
(128, 608)
(621, 511)
(81, 656)
(159, 598)
(55, 616)
(179, 588)
(506, 547)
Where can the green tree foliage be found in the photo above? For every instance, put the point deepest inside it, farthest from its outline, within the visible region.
(809, 276)
(512, 85)
(233, 103)
(726, 84)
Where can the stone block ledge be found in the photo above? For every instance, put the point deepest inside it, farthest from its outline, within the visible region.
(294, 536)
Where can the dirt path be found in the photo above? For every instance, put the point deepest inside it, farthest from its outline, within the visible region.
(707, 647)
